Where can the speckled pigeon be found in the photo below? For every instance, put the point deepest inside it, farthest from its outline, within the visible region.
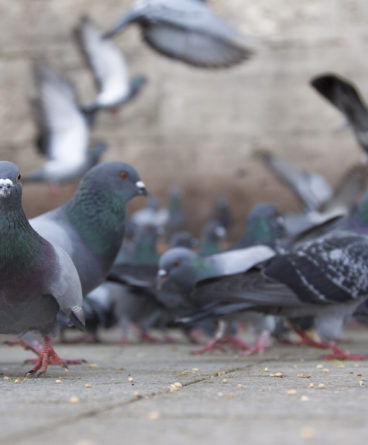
(37, 278)
(186, 30)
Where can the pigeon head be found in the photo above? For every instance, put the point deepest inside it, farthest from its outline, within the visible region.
(264, 225)
(183, 239)
(10, 185)
(179, 265)
(118, 178)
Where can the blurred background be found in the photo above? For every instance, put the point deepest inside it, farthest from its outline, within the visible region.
(195, 128)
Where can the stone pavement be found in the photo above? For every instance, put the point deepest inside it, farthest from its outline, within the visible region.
(122, 396)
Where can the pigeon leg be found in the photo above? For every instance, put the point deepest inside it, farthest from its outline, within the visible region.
(235, 342)
(145, 336)
(262, 343)
(308, 341)
(339, 354)
(47, 357)
(210, 346)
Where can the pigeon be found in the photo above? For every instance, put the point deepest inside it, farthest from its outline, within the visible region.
(63, 130)
(38, 278)
(222, 213)
(109, 69)
(212, 235)
(185, 269)
(176, 216)
(346, 97)
(183, 239)
(326, 279)
(264, 226)
(90, 227)
(186, 30)
(151, 215)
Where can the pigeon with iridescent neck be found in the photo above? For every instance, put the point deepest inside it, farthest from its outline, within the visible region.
(37, 278)
(212, 235)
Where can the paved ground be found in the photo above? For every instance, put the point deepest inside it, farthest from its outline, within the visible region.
(122, 397)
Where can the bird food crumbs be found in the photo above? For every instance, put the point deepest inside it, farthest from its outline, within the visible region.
(58, 381)
(319, 366)
(356, 365)
(153, 415)
(88, 385)
(74, 399)
(91, 365)
(266, 370)
(322, 386)
(361, 383)
(130, 379)
(177, 386)
(16, 381)
(304, 398)
(195, 369)
(239, 385)
(291, 392)
(278, 374)
(224, 381)
(138, 395)
(359, 374)
(325, 370)
(6, 377)
(304, 376)
(341, 366)
(311, 385)
(220, 373)
(307, 432)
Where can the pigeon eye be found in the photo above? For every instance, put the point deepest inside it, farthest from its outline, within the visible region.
(176, 263)
(123, 175)
(19, 177)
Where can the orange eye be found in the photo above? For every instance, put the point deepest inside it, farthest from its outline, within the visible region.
(123, 175)
(176, 263)
(19, 177)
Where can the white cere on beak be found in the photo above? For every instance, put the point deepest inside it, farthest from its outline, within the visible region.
(162, 273)
(140, 185)
(5, 185)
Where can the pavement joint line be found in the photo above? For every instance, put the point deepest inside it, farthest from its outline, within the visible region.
(95, 412)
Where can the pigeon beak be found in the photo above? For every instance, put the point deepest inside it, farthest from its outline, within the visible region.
(5, 186)
(141, 188)
(161, 278)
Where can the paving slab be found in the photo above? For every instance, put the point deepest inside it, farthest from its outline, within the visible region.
(122, 395)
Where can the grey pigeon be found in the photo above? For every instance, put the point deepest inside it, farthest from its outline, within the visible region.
(63, 130)
(264, 226)
(174, 207)
(183, 239)
(325, 279)
(186, 30)
(38, 278)
(222, 213)
(346, 98)
(109, 68)
(212, 235)
(185, 269)
(90, 227)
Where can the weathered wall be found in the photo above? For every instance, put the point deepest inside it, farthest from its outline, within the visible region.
(196, 128)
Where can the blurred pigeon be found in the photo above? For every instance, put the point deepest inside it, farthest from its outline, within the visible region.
(151, 215)
(38, 278)
(345, 96)
(212, 235)
(186, 30)
(109, 68)
(325, 279)
(63, 130)
(222, 213)
(185, 269)
(183, 239)
(176, 216)
(90, 227)
(264, 226)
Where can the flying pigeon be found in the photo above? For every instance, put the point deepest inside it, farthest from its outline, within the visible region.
(186, 30)
(37, 278)
(63, 130)
(109, 68)
(346, 98)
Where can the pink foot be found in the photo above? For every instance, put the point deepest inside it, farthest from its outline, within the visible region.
(262, 343)
(146, 337)
(195, 336)
(340, 354)
(235, 342)
(47, 357)
(210, 347)
(306, 340)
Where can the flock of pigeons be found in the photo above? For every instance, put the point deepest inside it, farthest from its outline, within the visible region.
(70, 266)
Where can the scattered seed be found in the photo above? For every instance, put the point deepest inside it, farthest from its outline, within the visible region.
(239, 385)
(16, 381)
(224, 381)
(311, 385)
(279, 375)
(356, 365)
(341, 366)
(58, 381)
(359, 375)
(325, 370)
(6, 377)
(154, 415)
(88, 385)
(266, 370)
(307, 432)
(361, 383)
(291, 392)
(319, 366)
(74, 399)
(195, 369)
(322, 386)
(130, 379)
(91, 365)
(138, 395)
(304, 398)
(304, 376)
(220, 373)
(177, 386)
